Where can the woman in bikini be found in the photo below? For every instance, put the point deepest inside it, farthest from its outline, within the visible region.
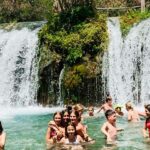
(55, 130)
(71, 136)
(147, 122)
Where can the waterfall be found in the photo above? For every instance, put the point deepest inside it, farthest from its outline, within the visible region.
(18, 67)
(60, 98)
(126, 70)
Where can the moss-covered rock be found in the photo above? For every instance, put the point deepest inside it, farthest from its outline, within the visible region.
(77, 47)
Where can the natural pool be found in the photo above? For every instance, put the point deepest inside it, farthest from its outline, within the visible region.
(26, 131)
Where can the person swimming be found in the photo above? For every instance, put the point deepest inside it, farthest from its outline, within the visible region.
(133, 115)
(109, 128)
(71, 136)
(55, 130)
(107, 105)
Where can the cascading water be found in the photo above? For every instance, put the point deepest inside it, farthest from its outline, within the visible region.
(60, 98)
(126, 70)
(18, 67)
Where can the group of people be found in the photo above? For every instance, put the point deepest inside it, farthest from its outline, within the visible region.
(67, 126)
(109, 128)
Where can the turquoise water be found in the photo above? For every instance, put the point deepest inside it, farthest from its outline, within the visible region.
(27, 132)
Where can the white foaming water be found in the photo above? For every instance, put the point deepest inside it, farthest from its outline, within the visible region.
(60, 98)
(126, 67)
(10, 112)
(18, 67)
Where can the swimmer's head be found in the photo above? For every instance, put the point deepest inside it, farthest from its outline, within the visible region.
(110, 115)
(147, 109)
(128, 105)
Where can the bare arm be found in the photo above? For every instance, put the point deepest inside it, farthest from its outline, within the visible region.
(62, 141)
(120, 129)
(80, 139)
(102, 107)
(3, 139)
(104, 129)
(143, 114)
(48, 134)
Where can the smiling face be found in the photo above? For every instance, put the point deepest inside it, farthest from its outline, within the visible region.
(73, 118)
(147, 112)
(71, 131)
(66, 116)
(57, 119)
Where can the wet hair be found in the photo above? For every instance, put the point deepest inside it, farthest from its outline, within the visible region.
(118, 108)
(56, 114)
(69, 109)
(70, 124)
(109, 113)
(64, 124)
(77, 115)
(108, 99)
(129, 105)
(91, 107)
(78, 107)
(1, 128)
(147, 107)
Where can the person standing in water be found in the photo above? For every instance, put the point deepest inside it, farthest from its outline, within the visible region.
(109, 128)
(55, 130)
(119, 111)
(2, 137)
(71, 136)
(91, 111)
(133, 115)
(147, 122)
(107, 105)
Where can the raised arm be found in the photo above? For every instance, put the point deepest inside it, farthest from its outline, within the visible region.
(102, 107)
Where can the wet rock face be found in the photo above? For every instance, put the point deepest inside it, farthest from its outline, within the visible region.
(49, 84)
(88, 92)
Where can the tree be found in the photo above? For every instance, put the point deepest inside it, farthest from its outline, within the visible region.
(63, 5)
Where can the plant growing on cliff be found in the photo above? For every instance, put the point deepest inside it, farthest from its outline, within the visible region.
(131, 18)
(74, 37)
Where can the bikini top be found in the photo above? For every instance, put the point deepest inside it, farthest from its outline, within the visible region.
(74, 143)
(147, 125)
(53, 132)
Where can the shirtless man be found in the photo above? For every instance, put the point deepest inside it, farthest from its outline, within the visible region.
(109, 128)
(133, 115)
(107, 105)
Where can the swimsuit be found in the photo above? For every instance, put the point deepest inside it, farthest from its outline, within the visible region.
(74, 143)
(54, 133)
(147, 125)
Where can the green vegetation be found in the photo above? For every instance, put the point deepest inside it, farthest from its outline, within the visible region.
(75, 38)
(131, 18)
(24, 10)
